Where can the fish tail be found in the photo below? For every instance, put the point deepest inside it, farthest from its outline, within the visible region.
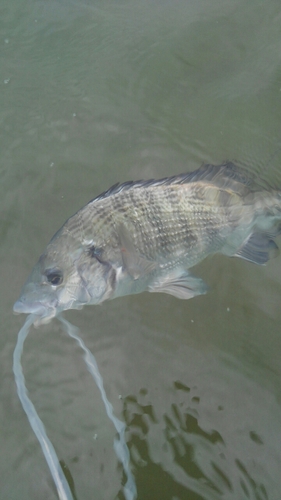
(259, 246)
(268, 227)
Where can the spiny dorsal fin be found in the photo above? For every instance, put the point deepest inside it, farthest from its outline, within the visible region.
(225, 176)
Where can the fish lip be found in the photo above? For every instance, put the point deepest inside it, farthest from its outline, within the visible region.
(36, 308)
(42, 314)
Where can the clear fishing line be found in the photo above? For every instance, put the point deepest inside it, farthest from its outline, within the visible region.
(52, 460)
(120, 446)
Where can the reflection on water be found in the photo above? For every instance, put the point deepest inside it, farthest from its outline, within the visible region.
(198, 461)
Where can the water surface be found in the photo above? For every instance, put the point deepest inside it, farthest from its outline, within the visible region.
(93, 93)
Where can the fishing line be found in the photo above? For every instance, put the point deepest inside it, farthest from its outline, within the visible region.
(58, 476)
(120, 446)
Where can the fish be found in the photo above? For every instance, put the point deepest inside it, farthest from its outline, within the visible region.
(146, 235)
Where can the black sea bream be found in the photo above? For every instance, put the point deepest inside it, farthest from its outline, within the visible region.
(146, 235)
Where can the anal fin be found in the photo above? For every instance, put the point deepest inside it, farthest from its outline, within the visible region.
(259, 248)
(183, 286)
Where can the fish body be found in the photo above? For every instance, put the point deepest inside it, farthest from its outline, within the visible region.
(146, 235)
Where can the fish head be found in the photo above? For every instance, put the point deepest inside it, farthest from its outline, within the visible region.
(68, 275)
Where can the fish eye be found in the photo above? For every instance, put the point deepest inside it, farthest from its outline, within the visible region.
(54, 276)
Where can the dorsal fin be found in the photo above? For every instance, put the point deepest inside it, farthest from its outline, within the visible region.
(225, 176)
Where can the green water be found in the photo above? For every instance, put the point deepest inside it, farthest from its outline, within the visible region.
(98, 92)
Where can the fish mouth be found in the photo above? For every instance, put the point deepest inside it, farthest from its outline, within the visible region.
(34, 308)
(45, 314)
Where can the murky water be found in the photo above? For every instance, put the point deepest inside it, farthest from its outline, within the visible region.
(93, 93)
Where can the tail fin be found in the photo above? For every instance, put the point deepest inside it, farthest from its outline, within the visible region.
(259, 248)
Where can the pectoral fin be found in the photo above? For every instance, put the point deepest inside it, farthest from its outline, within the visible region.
(183, 286)
(136, 265)
(258, 248)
